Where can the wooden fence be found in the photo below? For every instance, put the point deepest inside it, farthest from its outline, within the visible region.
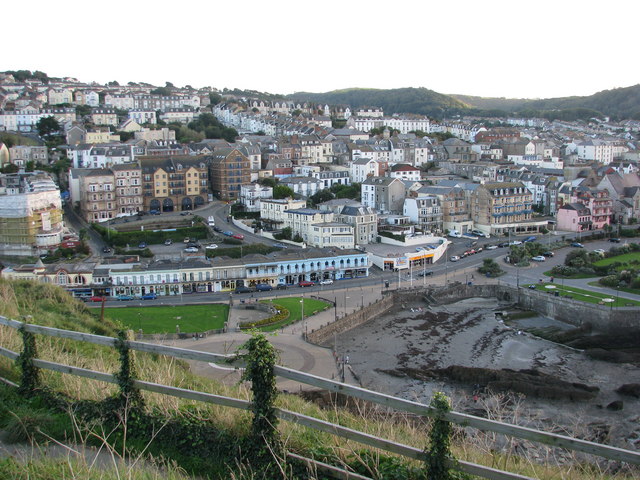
(462, 419)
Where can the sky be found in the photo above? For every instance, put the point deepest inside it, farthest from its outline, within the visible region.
(491, 48)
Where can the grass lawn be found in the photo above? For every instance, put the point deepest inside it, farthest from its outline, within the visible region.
(585, 295)
(626, 258)
(191, 318)
(293, 304)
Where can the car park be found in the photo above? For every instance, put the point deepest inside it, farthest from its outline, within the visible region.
(306, 283)
(238, 236)
(125, 297)
(454, 258)
(326, 281)
(614, 240)
(168, 241)
(538, 258)
(142, 245)
(191, 250)
(263, 287)
(577, 245)
(243, 290)
(149, 296)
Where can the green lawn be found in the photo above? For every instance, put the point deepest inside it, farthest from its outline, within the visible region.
(293, 304)
(585, 295)
(626, 258)
(191, 318)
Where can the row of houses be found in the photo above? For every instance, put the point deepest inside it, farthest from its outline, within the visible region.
(196, 275)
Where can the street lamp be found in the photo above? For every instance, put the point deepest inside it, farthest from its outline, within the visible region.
(302, 316)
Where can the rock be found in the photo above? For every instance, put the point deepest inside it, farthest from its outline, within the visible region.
(631, 389)
(615, 406)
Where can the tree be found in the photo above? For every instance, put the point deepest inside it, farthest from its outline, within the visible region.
(214, 98)
(162, 91)
(296, 113)
(490, 267)
(282, 191)
(83, 110)
(113, 83)
(48, 126)
(268, 182)
(322, 196)
(169, 85)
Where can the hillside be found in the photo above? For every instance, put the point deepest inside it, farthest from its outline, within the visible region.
(191, 439)
(398, 100)
(618, 103)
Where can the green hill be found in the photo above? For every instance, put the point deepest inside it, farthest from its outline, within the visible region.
(398, 100)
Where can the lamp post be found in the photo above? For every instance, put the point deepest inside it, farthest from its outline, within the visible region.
(302, 316)
(345, 302)
(139, 321)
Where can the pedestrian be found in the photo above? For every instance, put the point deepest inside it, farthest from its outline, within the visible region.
(346, 360)
(551, 279)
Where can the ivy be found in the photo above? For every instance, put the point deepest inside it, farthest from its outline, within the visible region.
(129, 394)
(30, 380)
(265, 443)
(439, 452)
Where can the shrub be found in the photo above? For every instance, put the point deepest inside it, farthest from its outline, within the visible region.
(609, 281)
(563, 271)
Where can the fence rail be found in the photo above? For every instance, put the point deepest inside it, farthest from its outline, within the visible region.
(462, 419)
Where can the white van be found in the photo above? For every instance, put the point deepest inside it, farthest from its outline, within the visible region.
(211, 221)
(455, 234)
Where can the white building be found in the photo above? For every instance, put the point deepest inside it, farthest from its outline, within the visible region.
(252, 195)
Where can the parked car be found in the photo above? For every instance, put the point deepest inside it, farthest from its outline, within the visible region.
(306, 283)
(125, 297)
(228, 233)
(538, 258)
(191, 250)
(425, 274)
(577, 245)
(141, 213)
(454, 258)
(142, 245)
(186, 240)
(491, 247)
(193, 244)
(243, 290)
(282, 286)
(168, 241)
(548, 254)
(279, 245)
(470, 236)
(529, 239)
(515, 242)
(217, 229)
(480, 233)
(106, 250)
(599, 251)
(154, 212)
(149, 296)
(455, 234)
(614, 240)
(211, 246)
(238, 236)
(503, 244)
(184, 214)
(263, 287)
(96, 298)
(326, 281)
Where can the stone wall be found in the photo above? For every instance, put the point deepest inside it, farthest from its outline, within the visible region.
(324, 335)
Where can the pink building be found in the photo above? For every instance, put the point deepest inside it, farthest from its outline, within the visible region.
(599, 203)
(574, 217)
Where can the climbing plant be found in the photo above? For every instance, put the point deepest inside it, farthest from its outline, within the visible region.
(260, 358)
(439, 452)
(30, 373)
(129, 394)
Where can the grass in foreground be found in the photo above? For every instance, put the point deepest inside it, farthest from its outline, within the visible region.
(190, 318)
(585, 295)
